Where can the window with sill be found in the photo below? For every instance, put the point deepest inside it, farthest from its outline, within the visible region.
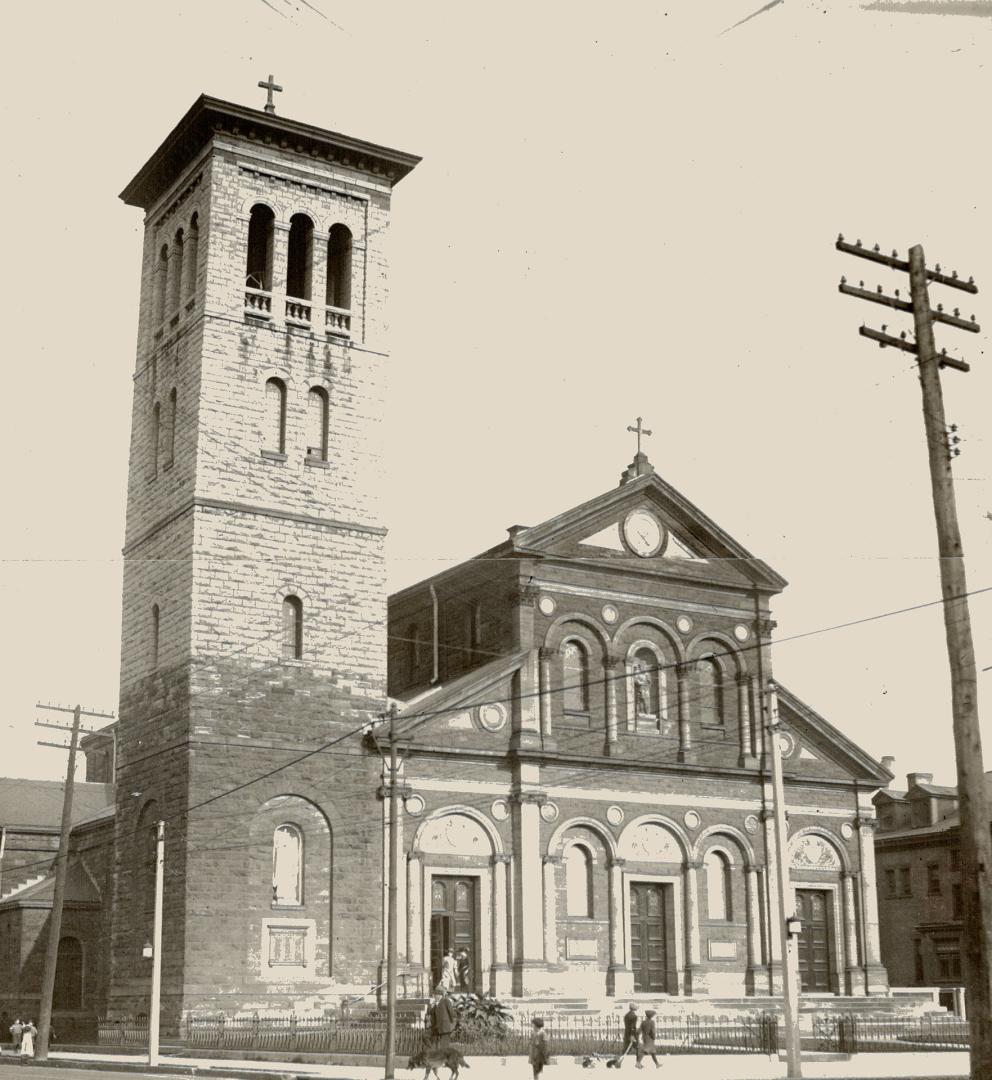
(709, 692)
(261, 230)
(175, 273)
(299, 260)
(933, 879)
(578, 881)
(275, 416)
(338, 293)
(156, 436)
(287, 866)
(292, 628)
(318, 412)
(170, 435)
(161, 285)
(192, 256)
(718, 895)
(575, 677)
(154, 636)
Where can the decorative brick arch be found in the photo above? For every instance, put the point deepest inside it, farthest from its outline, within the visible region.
(835, 843)
(262, 200)
(556, 634)
(557, 841)
(658, 819)
(731, 654)
(745, 850)
(459, 810)
(292, 590)
(671, 638)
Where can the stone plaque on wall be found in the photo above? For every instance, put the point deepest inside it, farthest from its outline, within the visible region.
(581, 948)
(723, 950)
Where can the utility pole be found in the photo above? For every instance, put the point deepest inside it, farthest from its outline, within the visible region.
(392, 898)
(156, 996)
(788, 924)
(976, 841)
(61, 870)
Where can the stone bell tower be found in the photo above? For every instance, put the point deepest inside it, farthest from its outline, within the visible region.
(254, 587)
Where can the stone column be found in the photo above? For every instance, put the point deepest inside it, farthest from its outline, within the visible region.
(551, 863)
(501, 971)
(744, 716)
(876, 979)
(854, 985)
(620, 977)
(528, 887)
(611, 672)
(754, 956)
(683, 672)
(692, 954)
(415, 914)
(545, 657)
(775, 916)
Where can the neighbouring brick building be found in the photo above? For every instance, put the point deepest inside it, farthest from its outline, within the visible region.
(586, 781)
(917, 851)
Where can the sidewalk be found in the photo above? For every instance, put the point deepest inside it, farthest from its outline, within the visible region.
(698, 1066)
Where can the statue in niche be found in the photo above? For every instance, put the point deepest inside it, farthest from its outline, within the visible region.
(643, 677)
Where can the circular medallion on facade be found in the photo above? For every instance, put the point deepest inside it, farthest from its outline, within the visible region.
(549, 812)
(786, 743)
(691, 819)
(414, 805)
(684, 623)
(500, 810)
(741, 632)
(643, 533)
(614, 815)
(492, 717)
(610, 614)
(751, 823)
(847, 830)
(546, 605)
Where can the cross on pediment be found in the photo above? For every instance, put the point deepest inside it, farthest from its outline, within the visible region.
(270, 86)
(638, 431)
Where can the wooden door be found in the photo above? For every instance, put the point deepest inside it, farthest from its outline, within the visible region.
(648, 942)
(453, 924)
(815, 941)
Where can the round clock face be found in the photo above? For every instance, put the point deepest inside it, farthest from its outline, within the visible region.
(643, 533)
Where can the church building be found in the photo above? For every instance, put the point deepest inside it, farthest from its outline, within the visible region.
(585, 779)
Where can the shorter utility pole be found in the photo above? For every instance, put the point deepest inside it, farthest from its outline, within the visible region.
(156, 1002)
(61, 870)
(789, 924)
(392, 953)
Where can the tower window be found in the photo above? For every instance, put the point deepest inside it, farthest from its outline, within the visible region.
(170, 436)
(161, 284)
(292, 628)
(258, 272)
(299, 263)
(575, 674)
(156, 435)
(191, 256)
(275, 415)
(154, 629)
(339, 267)
(176, 273)
(317, 419)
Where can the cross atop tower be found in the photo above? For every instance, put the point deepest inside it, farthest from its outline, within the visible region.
(270, 86)
(638, 431)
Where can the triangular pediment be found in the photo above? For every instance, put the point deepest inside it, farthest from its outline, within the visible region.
(812, 746)
(647, 526)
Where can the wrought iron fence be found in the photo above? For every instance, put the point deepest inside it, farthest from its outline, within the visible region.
(849, 1034)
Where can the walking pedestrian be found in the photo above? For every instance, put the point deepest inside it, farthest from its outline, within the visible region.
(28, 1036)
(647, 1046)
(449, 971)
(443, 1020)
(16, 1029)
(630, 1022)
(538, 1056)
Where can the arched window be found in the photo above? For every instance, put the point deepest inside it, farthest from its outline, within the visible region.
(299, 261)
(578, 881)
(717, 868)
(287, 865)
(650, 684)
(275, 415)
(154, 631)
(192, 255)
(318, 408)
(156, 435)
(339, 267)
(575, 677)
(176, 273)
(258, 271)
(69, 975)
(170, 435)
(292, 628)
(161, 283)
(709, 692)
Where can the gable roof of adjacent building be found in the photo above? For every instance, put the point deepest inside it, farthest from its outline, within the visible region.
(38, 803)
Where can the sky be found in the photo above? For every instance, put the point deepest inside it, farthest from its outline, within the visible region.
(623, 210)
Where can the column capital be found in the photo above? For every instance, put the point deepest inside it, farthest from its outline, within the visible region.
(694, 864)
(684, 668)
(868, 824)
(849, 875)
(538, 798)
(612, 663)
(551, 860)
(764, 627)
(767, 815)
(524, 595)
(744, 678)
(617, 862)
(496, 860)
(414, 856)
(546, 653)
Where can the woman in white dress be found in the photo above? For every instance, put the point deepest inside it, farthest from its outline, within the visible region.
(27, 1039)
(449, 971)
